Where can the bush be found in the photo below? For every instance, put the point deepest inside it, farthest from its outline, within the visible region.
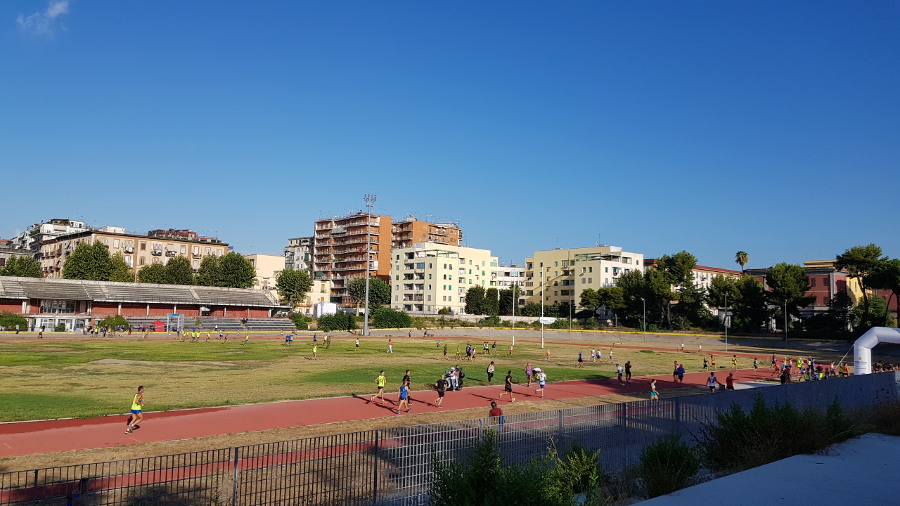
(300, 320)
(490, 321)
(60, 327)
(741, 441)
(110, 322)
(667, 465)
(338, 321)
(578, 472)
(386, 318)
(10, 320)
(445, 311)
(561, 324)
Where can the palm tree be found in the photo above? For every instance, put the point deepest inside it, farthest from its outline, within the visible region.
(741, 258)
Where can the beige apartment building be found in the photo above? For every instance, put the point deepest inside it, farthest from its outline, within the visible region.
(560, 275)
(427, 277)
(412, 231)
(138, 250)
(268, 267)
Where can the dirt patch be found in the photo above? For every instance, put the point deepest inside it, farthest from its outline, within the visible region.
(115, 361)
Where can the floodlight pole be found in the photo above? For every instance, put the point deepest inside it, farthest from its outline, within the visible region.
(370, 201)
(725, 321)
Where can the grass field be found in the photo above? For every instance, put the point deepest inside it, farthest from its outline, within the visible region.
(61, 378)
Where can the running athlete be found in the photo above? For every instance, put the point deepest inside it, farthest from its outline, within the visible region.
(507, 388)
(441, 386)
(542, 379)
(380, 381)
(137, 411)
(404, 398)
(654, 395)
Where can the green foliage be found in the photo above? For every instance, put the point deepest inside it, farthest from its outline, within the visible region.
(741, 258)
(386, 318)
(154, 273)
(491, 302)
(292, 286)
(301, 321)
(209, 273)
(445, 311)
(236, 271)
(379, 292)
(860, 262)
(10, 320)
(60, 327)
(667, 465)
(88, 261)
(506, 300)
(23, 266)
(338, 321)
(561, 323)
(113, 322)
(531, 309)
(877, 316)
(179, 271)
(475, 300)
(741, 441)
(611, 298)
(485, 480)
(119, 270)
(490, 321)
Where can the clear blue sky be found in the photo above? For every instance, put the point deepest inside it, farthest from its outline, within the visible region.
(658, 126)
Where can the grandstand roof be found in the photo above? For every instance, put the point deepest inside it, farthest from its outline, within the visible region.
(108, 291)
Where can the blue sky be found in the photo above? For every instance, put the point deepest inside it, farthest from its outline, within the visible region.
(658, 126)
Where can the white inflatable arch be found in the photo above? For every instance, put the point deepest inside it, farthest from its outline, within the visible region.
(862, 348)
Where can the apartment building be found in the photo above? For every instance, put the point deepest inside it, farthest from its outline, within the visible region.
(427, 277)
(39, 233)
(343, 246)
(138, 250)
(268, 267)
(298, 254)
(412, 231)
(560, 275)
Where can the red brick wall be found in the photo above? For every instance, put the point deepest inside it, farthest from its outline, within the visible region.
(11, 306)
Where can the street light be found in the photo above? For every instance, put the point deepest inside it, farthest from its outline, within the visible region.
(785, 320)
(644, 321)
(370, 201)
(725, 321)
(542, 307)
(514, 312)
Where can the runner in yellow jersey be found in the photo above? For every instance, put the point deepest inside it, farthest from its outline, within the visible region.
(380, 381)
(137, 411)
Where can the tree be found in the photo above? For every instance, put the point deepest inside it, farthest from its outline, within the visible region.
(379, 292)
(741, 258)
(10, 320)
(209, 274)
(179, 271)
(338, 321)
(612, 298)
(676, 283)
(292, 286)
(88, 261)
(236, 271)
(385, 318)
(886, 276)
(119, 270)
(750, 306)
(475, 300)
(859, 261)
(789, 284)
(507, 298)
(492, 302)
(22, 266)
(634, 294)
(154, 273)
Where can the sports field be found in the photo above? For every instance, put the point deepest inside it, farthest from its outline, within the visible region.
(65, 377)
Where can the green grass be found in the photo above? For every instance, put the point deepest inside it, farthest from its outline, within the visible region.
(58, 379)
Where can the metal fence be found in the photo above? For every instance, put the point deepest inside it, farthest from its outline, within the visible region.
(395, 466)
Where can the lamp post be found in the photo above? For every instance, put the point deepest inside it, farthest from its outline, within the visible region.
(370, 201)
(542, 307)
(785, 320)
(725, 321)
(514, 313)
(644, 321)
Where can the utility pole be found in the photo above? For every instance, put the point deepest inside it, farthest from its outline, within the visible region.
(370, 201)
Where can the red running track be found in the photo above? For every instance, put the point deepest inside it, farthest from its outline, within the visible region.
(29, 438)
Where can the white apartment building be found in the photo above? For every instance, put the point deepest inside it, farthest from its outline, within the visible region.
(427, 277)
(562, 274)
(298, 254)
(34, 237)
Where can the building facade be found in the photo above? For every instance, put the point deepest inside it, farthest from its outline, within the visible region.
(560, 275)
(268, 267)
(342, 248)
(412, 231)
(138, 250)
(298, 254)
(428, 277)
(39, 233)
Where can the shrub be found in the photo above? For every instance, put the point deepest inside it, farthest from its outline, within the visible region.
(445, 311)
(741, 441)
(667, 465)
(561, 323)
(300, 320)
(338, 321)
(490, 321)
(578, 472)
(386, 318)
(10, 320)
(110, 322)
(60, 327)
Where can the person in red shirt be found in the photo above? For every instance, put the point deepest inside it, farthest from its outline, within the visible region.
(729, 381)
(497, 414)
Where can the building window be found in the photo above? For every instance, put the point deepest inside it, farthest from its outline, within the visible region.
(812, 282)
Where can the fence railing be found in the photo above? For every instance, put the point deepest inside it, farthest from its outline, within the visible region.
(395, 465)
